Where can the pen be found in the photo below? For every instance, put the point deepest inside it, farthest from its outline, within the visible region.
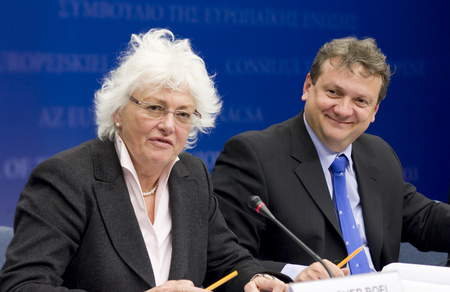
(344, 261)
(221, 281)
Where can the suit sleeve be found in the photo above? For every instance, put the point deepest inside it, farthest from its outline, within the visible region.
(237, 176)
(426, 223)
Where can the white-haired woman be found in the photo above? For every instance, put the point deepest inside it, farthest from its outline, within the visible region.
(130, 211)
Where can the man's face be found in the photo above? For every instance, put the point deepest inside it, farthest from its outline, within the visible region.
(341, 105)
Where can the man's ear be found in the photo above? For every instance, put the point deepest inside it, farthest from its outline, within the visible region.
(375, 112)
(306, 87)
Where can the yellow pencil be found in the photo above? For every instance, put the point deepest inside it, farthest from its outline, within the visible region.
(344, 261)
(221, 281)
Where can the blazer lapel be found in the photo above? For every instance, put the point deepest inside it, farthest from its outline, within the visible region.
(182, 203)
(118, 213)
(369, 191)
(310, 172)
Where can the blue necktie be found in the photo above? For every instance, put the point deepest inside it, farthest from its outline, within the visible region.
(359, 263)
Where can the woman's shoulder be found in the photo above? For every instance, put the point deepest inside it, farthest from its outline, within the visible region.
(189, 158)
(193, 164)
(81, 156)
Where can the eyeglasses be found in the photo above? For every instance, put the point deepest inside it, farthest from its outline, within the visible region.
(157, 111)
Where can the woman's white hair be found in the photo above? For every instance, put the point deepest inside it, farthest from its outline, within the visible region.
(153, 61)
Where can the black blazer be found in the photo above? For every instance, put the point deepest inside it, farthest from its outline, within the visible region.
(281, 165)
(75, 227)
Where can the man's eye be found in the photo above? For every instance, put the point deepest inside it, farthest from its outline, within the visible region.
(332, 92)
(361, 102)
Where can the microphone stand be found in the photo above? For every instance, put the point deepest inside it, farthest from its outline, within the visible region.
(260, 207)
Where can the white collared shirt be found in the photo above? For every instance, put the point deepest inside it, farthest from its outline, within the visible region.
(157, 236)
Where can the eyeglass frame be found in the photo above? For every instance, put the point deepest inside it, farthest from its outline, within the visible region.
(166, 111)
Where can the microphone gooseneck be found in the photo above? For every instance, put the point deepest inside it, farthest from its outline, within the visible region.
(255, 203)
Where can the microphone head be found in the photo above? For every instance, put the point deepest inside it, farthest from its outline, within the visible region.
(254, 202)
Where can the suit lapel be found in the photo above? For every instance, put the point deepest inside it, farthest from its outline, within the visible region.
(184, 204)
(369, 191)
(118, 213)
(310, 172)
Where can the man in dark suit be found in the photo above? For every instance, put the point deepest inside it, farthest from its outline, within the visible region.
(288, 166)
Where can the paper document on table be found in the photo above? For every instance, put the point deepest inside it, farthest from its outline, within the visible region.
(415, 286)
(421, 273)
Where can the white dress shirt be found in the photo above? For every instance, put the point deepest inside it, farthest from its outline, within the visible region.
(157, 236)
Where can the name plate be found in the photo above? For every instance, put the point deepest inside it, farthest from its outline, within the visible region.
(373, 282)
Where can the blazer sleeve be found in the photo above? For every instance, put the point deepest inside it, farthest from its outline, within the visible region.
(49, 223)
(224, 254)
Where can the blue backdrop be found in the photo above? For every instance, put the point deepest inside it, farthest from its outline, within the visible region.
(53, 54)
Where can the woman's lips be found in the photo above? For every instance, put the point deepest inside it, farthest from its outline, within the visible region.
(162, 140)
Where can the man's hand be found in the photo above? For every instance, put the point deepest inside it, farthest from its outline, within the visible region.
(264, 284)
(176, 286)
(316, 272)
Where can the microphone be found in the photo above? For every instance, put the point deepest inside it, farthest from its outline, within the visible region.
(255, 203)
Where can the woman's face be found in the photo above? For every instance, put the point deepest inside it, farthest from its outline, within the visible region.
(154, 142)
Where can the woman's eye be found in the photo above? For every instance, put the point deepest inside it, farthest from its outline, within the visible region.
(155, 108)
(184, 115)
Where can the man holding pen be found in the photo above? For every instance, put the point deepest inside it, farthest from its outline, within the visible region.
(332, 185)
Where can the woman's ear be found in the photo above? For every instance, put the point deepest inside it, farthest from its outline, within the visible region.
(117, 118)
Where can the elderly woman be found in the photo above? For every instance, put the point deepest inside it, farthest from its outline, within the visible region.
(130, 211)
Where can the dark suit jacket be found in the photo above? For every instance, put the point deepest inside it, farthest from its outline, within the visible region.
(281, 165)
(75, 227)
